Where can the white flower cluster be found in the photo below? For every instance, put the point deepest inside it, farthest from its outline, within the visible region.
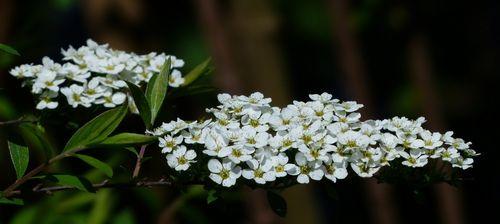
(93, 74)
(309, 140)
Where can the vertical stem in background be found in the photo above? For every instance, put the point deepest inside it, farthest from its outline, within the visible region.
(6, 9)
(449, 200)
(379, 195)
(226, 74)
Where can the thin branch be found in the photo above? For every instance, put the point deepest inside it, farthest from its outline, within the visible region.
(17, 121)
(10, 189)
(138, 163)
(106, 184)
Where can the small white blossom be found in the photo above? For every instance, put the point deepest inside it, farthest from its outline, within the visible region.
(181, 158)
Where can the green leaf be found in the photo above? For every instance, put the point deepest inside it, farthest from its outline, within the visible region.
(36, 139)
(20, 156)
(98, 164)
(132, 150)
(97, 129)
(157, 89)
(277, 203)
(9, 49)
(79, 183)
(142, 104)
(11, 201)
(128, 139)
(211, 196)
(194, 74)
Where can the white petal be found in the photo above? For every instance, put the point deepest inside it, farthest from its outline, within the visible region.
(214, 166)
(216, 178)
(303, 179)
(316, 174)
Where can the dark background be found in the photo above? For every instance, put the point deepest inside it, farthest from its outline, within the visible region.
(437, 59)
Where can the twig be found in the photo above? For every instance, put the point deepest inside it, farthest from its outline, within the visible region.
(106, 184)
(138, 163)
(17, 121)
(10, 189)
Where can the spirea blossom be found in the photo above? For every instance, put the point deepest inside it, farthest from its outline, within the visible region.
(93, 75)
(304, 141)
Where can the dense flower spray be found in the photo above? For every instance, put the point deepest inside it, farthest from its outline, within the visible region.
(321, 138)
(93, 74)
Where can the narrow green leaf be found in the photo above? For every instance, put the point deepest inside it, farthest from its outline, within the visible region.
(20, 156)
(277, 203)
(128, 139)
(11, 201)
(97, 129)
(98, 164)
(196, 72)
(36, 138)
(132, 150)
(9, 49)
(142, 104)
(157, 89)
(79, 183)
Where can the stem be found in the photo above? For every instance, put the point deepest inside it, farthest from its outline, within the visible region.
(17, 121)
(10, 189)
(138, 163)
(106, 184)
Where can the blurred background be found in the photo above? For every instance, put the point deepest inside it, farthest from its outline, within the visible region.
(437, 59)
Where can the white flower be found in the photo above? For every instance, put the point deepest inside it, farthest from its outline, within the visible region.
(256, 120)
(314, 153)
(225, 173)
(353, 139)
(431, 140)
(168, 143)
(364, 169)
(254, 139)
(93, 90)
(181, 158)
(236, 153)
(307, 169)
(260, 173)
(74, 96)
(175, 79)
(21, 72)
(415, 158)
(284, 119)
(281, 165)
(255, 99)
(46, 101)
(282, 142)
(462, 163)
(323, 98)
(449, 154)
(334, 171)
(348, 106)
(46, 79)
(110, 99)
(214, 143)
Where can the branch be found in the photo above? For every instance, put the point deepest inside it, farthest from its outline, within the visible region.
(106, 184)
(17, 121)
(138, 163)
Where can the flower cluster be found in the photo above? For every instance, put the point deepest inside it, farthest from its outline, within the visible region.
(93, 74)
(317, 139)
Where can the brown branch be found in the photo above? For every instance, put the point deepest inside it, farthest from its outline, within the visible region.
(17, 121)
(104, 184)
(138, 163)
(10, 189)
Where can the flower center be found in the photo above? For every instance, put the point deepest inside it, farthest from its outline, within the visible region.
(224, 174)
